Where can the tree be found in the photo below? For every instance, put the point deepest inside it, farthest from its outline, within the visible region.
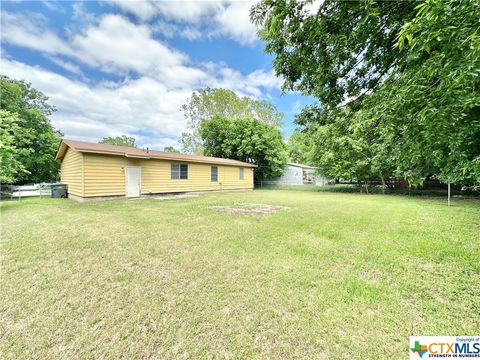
(406, 73)
(28, 130)
(122, 140)
(336, 54)
(348, 144)
(208, 103)
(300, 146)
(170, 149)
(10, 166)
(248, 140)
(433, 105)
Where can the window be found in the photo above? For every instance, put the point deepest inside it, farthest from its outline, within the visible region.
(214, 174)
(242, 175)
(179, 171)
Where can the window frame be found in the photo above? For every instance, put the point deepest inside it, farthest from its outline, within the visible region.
(176, 171)
(241, 174)
(211, 173)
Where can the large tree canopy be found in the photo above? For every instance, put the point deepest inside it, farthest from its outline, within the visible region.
(208, 103)
(347, 145)
(248, 140)
(170, 149)
(122, 140)
(29, 141)
(397, 83)
(338, 53)
(300, 147)
(10, 165)
(431, 109)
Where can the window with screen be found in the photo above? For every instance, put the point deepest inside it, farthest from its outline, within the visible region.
(179, 171)
(242, 175)
(214, 174)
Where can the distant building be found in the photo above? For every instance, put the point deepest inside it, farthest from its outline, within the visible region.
(299, 174)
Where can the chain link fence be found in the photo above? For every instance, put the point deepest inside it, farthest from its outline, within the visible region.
(17, 192)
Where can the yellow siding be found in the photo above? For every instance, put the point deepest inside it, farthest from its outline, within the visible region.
(71, 172)
(105, 176)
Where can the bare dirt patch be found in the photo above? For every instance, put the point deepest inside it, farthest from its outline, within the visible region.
(248, 208)
(370, 276)
(172, 196)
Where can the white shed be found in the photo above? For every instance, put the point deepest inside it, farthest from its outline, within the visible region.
(299, 174)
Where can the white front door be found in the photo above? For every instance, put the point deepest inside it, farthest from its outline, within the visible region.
(133, 182)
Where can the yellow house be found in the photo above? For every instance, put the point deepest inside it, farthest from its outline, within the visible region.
(99, 170)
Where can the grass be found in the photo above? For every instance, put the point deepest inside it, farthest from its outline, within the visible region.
(328, 276)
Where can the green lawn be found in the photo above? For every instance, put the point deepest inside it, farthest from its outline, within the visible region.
(328, 276)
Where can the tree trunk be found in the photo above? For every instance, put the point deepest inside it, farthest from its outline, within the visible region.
(383, 183)
(366, 187)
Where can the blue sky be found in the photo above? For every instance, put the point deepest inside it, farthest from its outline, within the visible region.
(126, 67)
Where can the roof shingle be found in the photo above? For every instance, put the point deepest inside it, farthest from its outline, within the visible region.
(83, 146)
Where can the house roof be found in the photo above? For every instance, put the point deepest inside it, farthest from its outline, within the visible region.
(86, 147)
(301, 166)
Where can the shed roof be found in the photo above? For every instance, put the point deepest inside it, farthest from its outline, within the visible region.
(87, 147)
(303, 166)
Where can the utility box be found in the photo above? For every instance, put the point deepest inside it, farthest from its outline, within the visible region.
(59, 191)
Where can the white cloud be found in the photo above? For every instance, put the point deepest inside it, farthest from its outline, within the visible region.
(170, 30)
(210, 18)
(184, 11)
(115, 44)
(234, 22)
(142, 9)
(29, 30)
(155, 78)
(73, 68)
(297, 107)
(80, 16)
(190, 33)
(143, 105)
(252, 84)
(92, 112)
(166, 29)
(54, 6)
(188, 11)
